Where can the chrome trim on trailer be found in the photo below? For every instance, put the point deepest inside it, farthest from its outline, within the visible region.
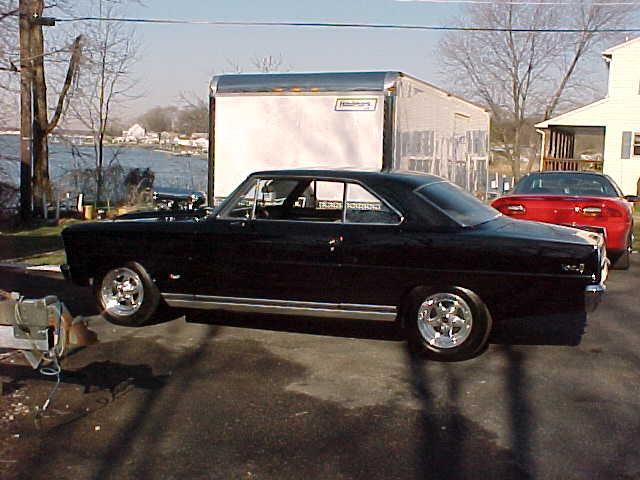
(391, 79)
(213, 85)
(283, 307)
(343, 82)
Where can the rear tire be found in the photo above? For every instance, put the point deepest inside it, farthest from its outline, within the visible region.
(447, 324)
(127, 295)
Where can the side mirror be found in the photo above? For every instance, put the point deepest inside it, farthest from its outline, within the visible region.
(632, 198)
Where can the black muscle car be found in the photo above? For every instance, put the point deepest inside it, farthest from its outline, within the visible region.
(363, 245)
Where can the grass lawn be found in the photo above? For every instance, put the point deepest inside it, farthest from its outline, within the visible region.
(36, 246)
(57, 257)
(43, 231)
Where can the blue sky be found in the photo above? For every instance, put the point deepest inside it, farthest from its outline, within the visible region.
(182, 58)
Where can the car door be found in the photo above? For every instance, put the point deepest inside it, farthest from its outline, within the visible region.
(298, 239)
(254, 250)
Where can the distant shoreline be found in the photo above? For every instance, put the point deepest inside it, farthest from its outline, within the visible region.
(154, 147)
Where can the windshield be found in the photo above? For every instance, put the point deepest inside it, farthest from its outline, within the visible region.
(566, 184)
(458, 204)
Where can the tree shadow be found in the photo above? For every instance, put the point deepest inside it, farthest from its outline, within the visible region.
(449, 445)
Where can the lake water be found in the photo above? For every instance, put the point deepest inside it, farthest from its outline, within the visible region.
(169, 170)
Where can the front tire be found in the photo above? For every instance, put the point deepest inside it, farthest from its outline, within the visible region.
(448, 323)
(127, 296)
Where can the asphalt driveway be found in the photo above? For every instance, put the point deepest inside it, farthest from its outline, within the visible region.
(555, 395)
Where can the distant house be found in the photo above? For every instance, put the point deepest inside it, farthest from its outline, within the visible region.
(604, 134)
(201, 143)
(134, 134)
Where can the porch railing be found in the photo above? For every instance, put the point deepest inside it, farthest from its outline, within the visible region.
(571, 164)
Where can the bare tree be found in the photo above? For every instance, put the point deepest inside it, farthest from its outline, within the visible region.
(519, 75)
(269, 63)
(159, 119)
(262, 64)
(42, 125)
(110, 52)
(8, 53)
(34, 58)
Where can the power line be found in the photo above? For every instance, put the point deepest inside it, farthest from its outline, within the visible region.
(524, 3)
(382, 26)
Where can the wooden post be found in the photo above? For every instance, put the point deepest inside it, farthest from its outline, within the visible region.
(44, 205)
(26, 190)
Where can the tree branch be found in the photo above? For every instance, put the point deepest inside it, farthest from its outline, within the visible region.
(71, 72)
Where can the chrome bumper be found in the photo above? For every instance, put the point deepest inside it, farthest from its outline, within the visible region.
(593, 295)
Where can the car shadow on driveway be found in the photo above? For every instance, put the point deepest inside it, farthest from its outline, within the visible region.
(562, 322)
(331, 327)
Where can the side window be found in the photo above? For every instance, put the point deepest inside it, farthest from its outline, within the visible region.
(328, 195)
(274, 191)
(242, 207)
(271, 197)
(321, 201)
(364, 207)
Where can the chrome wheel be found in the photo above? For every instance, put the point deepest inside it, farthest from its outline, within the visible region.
(444, 320)
(121, 292)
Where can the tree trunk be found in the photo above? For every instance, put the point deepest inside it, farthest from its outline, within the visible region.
(99, 172)
(42, 187)
(25, 113)
(515, 153)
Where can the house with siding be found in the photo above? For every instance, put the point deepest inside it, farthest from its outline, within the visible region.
(604, 135)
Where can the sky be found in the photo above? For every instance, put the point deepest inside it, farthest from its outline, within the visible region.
(177, 59)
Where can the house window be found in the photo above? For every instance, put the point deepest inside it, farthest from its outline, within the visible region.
(636, 144)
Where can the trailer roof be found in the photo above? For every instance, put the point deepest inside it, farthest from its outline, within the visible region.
(316, 82)
(305, 82)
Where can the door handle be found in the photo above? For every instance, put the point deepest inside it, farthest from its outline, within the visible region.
(335, 242)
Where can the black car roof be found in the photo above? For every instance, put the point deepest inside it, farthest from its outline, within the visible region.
(411, 179)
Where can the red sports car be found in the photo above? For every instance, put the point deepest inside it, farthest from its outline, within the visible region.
(585, 200)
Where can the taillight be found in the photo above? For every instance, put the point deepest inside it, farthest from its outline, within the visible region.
(591, 211)
(512, 209)
(603, 211)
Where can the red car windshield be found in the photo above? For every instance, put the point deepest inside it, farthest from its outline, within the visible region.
(579, 184)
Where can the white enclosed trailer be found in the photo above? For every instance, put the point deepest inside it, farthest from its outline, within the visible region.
(369, 120)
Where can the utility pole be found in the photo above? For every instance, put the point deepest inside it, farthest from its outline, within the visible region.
(25, 112)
